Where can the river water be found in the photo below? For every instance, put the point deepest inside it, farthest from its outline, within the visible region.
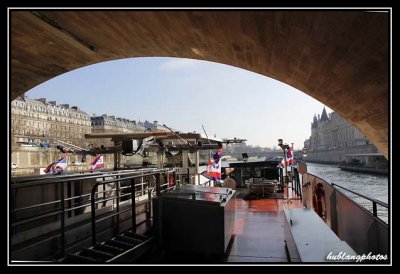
(373, 186)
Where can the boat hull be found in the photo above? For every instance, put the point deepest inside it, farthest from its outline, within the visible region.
(365, 170)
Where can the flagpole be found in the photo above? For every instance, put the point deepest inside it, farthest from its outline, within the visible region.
(209, 151)
(177, 135)
(293, 154)
(286, 163)
(283, 147)
(66, 160)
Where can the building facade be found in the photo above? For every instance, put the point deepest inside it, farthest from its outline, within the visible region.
(332, 138)
(110, 124)
(155, 126)
(333, 132)
(37, 121)
(37, 125)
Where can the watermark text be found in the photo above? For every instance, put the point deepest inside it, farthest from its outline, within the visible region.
(343, 256)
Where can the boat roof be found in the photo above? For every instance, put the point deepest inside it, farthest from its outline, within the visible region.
(254, 163)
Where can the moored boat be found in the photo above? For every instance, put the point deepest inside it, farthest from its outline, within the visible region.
(374, 163)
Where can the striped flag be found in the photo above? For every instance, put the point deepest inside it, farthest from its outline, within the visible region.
(214, 167)
(97, 163)
(289, 158)
(57, 167)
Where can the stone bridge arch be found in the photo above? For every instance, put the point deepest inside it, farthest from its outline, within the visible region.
(340, 58)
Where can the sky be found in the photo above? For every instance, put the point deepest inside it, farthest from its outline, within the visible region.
(185, 94)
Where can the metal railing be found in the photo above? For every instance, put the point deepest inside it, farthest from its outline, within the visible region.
(62, 204)
(353, 222)
(146, 192)
(374, 201)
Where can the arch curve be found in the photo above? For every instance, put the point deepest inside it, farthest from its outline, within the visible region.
(340, 58)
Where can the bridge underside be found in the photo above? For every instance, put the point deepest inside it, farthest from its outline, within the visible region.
(340, 58)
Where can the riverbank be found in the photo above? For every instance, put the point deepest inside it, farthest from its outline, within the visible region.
(334, 156)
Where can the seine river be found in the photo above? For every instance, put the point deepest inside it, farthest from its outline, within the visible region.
(373, 186)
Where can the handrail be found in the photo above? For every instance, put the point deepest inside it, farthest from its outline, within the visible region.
(184, 191)
(352, 220)
(127, 178)
(52, 180)
(205, 183)
(93, 201)
(60, 206)
(365, 197)
(59, 201)
(51, 176)
(374, 201)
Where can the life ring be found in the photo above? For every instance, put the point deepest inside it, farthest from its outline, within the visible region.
(318, 200)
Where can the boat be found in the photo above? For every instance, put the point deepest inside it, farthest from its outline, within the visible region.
(174, 215)
(373, 163)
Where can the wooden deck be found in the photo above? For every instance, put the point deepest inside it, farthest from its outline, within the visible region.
(259, 230)
(258, 234)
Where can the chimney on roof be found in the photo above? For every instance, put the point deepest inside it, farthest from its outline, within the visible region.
(155, 122)
(75, 107)
(52, 103)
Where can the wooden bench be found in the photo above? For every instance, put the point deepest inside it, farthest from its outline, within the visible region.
(309, 239)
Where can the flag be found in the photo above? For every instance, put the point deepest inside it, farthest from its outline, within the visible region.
(292, 155)
(97, 163)
(57, 167)
(214, 167)
(289, 158)
(282, 164)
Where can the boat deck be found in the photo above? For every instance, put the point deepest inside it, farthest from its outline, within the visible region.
(258, 234)
(259, 231)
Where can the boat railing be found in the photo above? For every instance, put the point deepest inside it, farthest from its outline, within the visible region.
(206, 183)
(375, 202)
(30, 180)
(59, 214)
(154, 181)
(353, 222)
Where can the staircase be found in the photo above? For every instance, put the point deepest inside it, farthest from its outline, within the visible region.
(124, 248)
